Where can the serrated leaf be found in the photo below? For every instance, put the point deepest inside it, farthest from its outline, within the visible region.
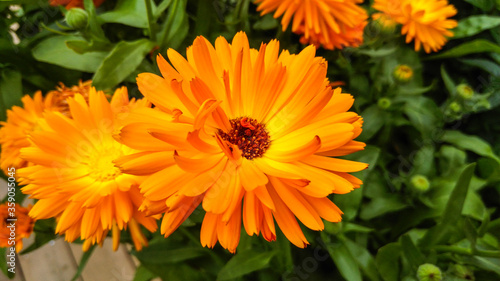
(474, 25)
(121, 62)
(245, 262)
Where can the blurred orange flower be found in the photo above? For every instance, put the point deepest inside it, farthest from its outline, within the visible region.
(14, 219)
(68, 4)
(326, 23)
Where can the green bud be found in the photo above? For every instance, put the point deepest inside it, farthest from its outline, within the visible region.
(420, 183)
(384, 103)
(77, 18)
(455, 107)
(429, 272)
(463, 272)
(465, 91)
(403, 73)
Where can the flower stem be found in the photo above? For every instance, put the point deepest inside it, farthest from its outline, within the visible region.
(151, 24)
(467, 252)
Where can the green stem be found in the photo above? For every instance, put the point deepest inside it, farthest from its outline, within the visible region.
(191, 237)
(168, 24)
(467, 252)
(151, 24)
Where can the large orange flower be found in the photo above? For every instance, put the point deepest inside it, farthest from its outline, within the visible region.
(74, 176)
(331, 24)
(425, 21)
(15, 224)
(22, 121)
(253, 133)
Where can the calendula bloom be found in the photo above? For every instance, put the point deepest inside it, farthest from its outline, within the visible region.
(15, 225)
(22, 121)
(247, 133)
(327, 23)
(73, 174)
(68, 4)
(425, 21)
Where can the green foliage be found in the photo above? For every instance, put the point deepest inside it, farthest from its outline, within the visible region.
(422, 126)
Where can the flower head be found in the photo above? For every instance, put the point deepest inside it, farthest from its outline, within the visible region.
(22, 121)
(331, 24)
(73, 174)
(14, 219)
(403, 73)
(247, 133)
(425, 21)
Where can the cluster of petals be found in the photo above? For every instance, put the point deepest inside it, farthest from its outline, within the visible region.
(332, 24)
(427, 22)
(72, 174)
(250, 135)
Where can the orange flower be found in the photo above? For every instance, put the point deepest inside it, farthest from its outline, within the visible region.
(68, 4)
(15, 225)
(246, 133)
(425, 21)
(331, 24)
(22, 121)
(74, 176)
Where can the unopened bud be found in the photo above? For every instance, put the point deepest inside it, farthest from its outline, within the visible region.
(420, 183)
(465, 91)
(429, 272)
(384, 103)
(403, 73)
(455, 107)
(77, 18)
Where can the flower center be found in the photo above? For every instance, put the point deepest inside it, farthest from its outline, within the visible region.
(101, 166)
(250, 136)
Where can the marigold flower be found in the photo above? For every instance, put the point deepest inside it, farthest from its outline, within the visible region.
(68, 4)
(22, 121)
(23, 225)
(426, 21)
(248, 134)
(73, 174)
(331, 24)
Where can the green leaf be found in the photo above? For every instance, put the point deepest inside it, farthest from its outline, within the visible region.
(374, 119)
(474, 25)
(11, 90)
(387, 261)
(485, 5)
(54, 50)
(245, 262)
(163, 253)
(411, 252)
(489, 264)
(143, 274)
(343, 259)
(471, 143)
(83, 261)
(364, 259)
(452, 212)
(176, 26)
(380, 206)
(128, 12)
(486, 65)
(121, 62)
(3, 263)
(448, 82)
(266, 22)
(423, 113)
(378, 53)
(473, 47)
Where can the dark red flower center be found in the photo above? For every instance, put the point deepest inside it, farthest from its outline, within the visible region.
(249, 135)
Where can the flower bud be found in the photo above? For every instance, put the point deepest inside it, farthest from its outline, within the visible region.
(429, 272)
(465, 91)
(384, 103)
(455, 107)
(77, 18)
(403, 73)
(420, 183)
(384, 23)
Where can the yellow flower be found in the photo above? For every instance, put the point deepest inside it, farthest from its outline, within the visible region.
(425, 21)
(22, 121)
(331, 24)
(23, 225)
(248, 134)
(73, 174)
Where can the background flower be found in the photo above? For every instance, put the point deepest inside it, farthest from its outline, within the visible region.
(23, 225)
